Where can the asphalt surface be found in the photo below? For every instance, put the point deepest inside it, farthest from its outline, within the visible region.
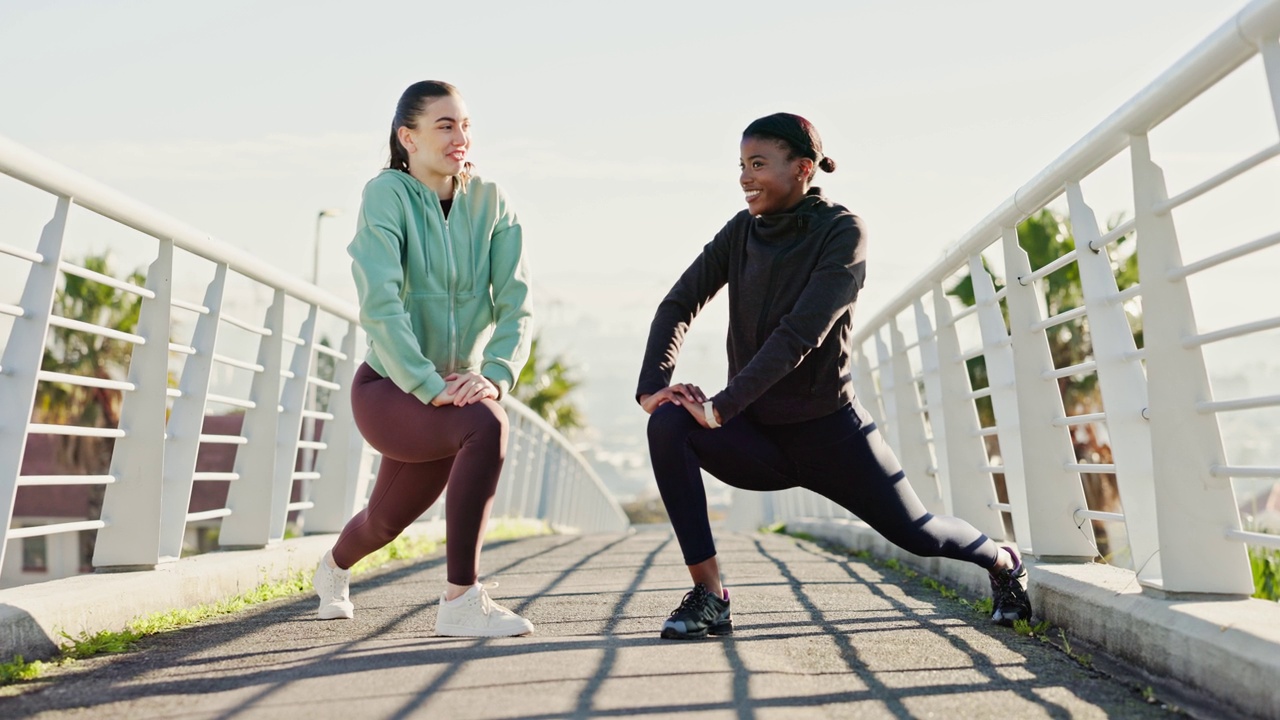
(817, 635)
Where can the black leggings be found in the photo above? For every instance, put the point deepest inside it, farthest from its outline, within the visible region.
(841, 456)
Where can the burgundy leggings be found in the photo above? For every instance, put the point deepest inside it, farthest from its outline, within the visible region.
(424, 449)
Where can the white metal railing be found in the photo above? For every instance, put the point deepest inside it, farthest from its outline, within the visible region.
(1174, 479)
(152, 470)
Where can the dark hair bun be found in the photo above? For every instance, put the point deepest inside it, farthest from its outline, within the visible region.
(827, 164)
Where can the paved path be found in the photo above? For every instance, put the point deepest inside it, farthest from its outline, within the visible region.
(818, 635)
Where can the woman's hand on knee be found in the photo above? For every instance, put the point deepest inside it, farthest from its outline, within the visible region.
(470, 388)
(685, 394)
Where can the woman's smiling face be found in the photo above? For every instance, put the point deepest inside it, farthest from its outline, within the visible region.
(772, 180)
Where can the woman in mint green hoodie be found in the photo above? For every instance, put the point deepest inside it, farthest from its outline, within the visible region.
(444, 300)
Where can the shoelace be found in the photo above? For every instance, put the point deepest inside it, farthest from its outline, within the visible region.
(691, 599)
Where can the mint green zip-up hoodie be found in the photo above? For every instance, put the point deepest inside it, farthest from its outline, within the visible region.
(440, 296)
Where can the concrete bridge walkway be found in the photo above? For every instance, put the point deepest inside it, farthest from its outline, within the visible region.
(817, 635)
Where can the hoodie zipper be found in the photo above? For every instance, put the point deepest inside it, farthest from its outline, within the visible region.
(453, 288)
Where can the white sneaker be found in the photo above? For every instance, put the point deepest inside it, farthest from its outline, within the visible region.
(332, 585)
(475, 614)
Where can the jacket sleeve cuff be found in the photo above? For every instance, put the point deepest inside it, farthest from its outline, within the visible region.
(432, 386)
(500, 376)
(725, 407)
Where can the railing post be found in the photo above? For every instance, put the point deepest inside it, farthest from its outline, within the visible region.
(293, 400)
(864, 384)
(973, 493)
(913, 443)
(186, 421)
(890, 423)
(1054, 493)
(249, 525)
(20, 366)
(1195, 509)
(931, 376)
(998, 356)
(340, 489)
(1123, 386)
(131, 508)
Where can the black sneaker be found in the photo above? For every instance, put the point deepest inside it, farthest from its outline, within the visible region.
(700, 614)
(1009, 599)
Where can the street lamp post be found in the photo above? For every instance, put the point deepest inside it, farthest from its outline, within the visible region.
(315, 260)
(309, 424)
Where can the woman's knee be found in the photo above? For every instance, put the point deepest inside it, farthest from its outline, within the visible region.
(487, 422)
(670, 424)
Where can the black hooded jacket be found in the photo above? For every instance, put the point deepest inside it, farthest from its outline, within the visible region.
(793, 280)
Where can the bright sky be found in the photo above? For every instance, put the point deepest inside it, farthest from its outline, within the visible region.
(614, 128)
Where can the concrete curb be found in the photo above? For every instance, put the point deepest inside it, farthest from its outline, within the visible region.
(32, 617)
(1226, 649)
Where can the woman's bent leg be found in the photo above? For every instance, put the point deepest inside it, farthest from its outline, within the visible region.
(737, 454)
(473, 483)
(401, 494)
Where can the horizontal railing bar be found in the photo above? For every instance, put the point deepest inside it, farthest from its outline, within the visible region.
(980, 393)
(1231, 332)
(304, 505)
(68, 323)
(204, 476)
(208, 515)
(1082, 514)
(26, 166)
(75, 430)
(317, 414)
(42, 530)
(293, 339)
(1113, 235)
(1087, 366)
(223, 439)
(1103, 468)
(1243, 404)
(964, 313)
(1254, 538)
(931, 470)
(82, 381)
(1135, 354)
(107, 280)
(1224, 256)
(33, 257)
(987, 431)
(1060, 318)
(312, 445)
(220, 358)
(234, 402)
(287, 374)
(34, 480)
(1239, 168)
(331, 352)
(14, 310)
(255, 329)
(321, 382)
(1126, 294)
(1002, 507)
(181, 349)
(1244, 471)
(1070, 420)
(193, 307)
(993, 469)
(306, 475)
(173, 392)
(1049, 268)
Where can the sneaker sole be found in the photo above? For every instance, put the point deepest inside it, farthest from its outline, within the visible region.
(459, 631)
(337, 611)
(673, 634)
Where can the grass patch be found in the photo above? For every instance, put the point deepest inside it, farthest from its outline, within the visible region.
(1265, 563)
(87, 645)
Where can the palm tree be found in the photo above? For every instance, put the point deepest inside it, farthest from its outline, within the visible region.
(78, 353)
(1046, 236)
(546, 386)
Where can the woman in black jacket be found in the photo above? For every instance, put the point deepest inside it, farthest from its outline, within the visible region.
(794, 262)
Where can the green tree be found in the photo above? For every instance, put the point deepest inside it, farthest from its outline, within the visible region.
(546, 386)
(87, 355)
(1046, 236)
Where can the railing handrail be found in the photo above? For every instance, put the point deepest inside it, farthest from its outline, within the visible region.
(1227, 48)
(24, 164)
